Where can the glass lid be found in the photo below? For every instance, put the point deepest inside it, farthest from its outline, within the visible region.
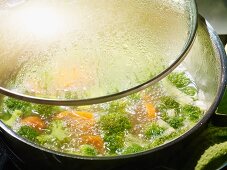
(79, 52)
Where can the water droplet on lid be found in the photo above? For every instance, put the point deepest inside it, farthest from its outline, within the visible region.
(125, 46)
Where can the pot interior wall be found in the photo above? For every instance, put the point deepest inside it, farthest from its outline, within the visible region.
(203, 64)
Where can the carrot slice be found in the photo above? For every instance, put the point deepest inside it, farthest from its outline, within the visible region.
(83, 121)
(34, 121)
(151, 112)
(94, 140)
(87, 115)
(75, 115)
(64, 114)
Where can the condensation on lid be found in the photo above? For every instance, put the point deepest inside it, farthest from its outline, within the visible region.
(82, 49)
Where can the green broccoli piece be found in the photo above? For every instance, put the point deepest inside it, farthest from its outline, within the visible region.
(135, 96)
(5, 115)
(14, 117)
(191, 91)
(88, 150)
(165, 138)
(12, 104)
(117, 106)
(114, 123)
(45, 110)
(28, 132)
(179, 79)
(114, 142)
(46, 138)
(176, 121)
(57, 132)
(154, 130)
(193, 112)
(213, 157)
(133, 148)
(168, 102)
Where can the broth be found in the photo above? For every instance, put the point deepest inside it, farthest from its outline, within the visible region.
(129, 125)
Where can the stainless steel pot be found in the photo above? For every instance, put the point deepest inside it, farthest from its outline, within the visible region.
(206, 62)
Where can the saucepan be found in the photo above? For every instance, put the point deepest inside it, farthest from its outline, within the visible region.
(207, 64)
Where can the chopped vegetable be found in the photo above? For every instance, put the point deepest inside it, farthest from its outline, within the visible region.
(114, 142)
(166, 137)
(86, 115)
(153, 130)
(169, 103)
(75, 115)
(28, 132)
(114, 123)
(58, 131)
(12, 104)
(34, 121)
(45, 110)
(176, 121)
(83, 121)
(12, 120)
(88, 150)
(179, 79)
(191, 91)
(193, 112)
(93, 140)
(133, 148)
(135, 96)
(151, 112)
(117, 106)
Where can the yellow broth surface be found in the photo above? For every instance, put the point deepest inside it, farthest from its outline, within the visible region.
(136, 123)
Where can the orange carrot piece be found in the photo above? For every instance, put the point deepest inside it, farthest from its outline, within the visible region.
(75, 115)
(151, 112)
(87, 115)
(64, 114)
(34, 121)
(93, 140)
(80, 120)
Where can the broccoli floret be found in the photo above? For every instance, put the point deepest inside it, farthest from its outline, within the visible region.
(88, 150)
(57, 132)
(45, 110)
(154, 130)
(135, 96)
(165, 138)
(5, 115)
(213, 157)
(191, 91)
(117, 106)
(114, 123)
(46, 138)
(176, 122)
(114, 142)
(193, 112)
(28, 132)
(12, 104)
(12, 120)
(169, 103)
(179, 79)
(133, 148)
